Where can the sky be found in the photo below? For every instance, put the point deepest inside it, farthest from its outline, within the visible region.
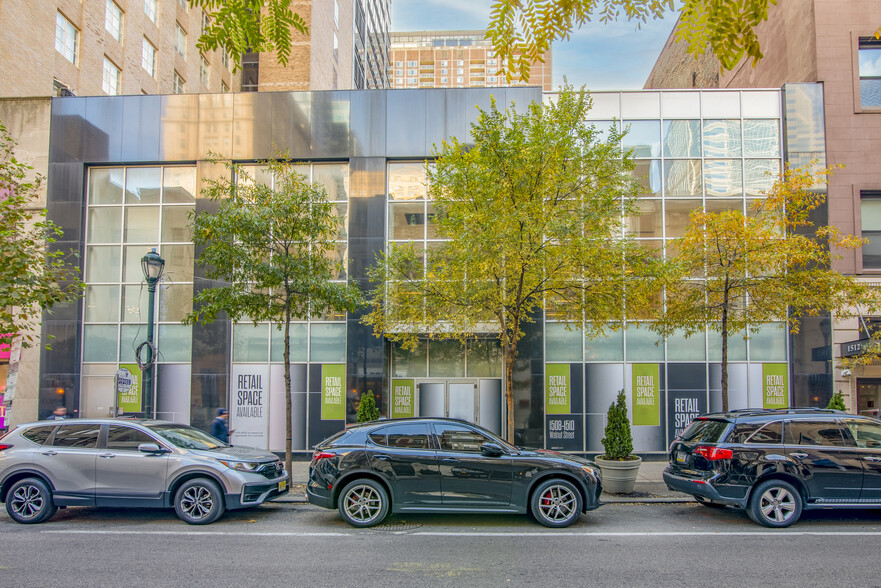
(617, 56)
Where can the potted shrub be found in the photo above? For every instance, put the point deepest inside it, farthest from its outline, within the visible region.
(837, 402)
(618, 464)
(367, 409)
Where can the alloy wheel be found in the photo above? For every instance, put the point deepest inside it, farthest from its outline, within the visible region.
(197, 502)
(27, 501)
(557, 503)
(362, 503)
(777, 504)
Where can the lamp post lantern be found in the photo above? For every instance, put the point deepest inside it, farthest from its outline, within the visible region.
(152, 265)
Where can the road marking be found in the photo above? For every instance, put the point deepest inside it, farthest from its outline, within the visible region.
(546, 534)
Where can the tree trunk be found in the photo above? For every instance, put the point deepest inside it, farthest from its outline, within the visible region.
(288, 453)
(509, 354)
(724, 334)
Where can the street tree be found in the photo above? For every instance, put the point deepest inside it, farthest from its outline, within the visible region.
(735, 272)
(242, 26)
(531, 209)
(270, 240)
(34, 276)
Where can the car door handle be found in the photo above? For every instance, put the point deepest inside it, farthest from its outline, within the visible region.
(450, 460)
(49, 452)
(799, 455)
(873, 458)
(382, 456)
(107, 455)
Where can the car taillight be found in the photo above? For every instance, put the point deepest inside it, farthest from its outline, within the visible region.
(713, 453)
(322, 455)
(5, 446)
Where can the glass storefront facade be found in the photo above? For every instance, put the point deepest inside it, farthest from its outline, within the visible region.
(125, 175)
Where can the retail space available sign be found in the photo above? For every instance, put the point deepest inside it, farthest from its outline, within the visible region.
(249, 406)
(333, 393)
(775, 391)
(558, 389)
(128, 388)
(646, 394)
(403, 397)
(682, 408)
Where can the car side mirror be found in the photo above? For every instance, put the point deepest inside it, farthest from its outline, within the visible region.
(492, 449)
(151, 448)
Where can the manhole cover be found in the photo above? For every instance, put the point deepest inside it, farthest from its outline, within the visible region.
(397, 527)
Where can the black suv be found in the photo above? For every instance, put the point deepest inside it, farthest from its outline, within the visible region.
(775, 463)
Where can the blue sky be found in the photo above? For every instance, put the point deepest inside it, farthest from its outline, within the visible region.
(617, 56)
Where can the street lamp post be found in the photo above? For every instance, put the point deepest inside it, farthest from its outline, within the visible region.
(152, 266)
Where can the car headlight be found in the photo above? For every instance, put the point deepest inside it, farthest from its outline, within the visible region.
(591, 471)
(242, 466)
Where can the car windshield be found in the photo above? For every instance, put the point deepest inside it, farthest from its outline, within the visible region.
(187, 437)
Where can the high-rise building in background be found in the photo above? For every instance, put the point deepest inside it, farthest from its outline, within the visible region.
(346, 48)
(97, 47)
(454, 59)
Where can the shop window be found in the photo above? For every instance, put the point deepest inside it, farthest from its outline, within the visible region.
(870, 72)
(870, 224)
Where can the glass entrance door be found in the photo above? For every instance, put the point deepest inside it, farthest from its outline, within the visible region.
(472, 400)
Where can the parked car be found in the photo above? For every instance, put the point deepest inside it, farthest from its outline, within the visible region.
(131, 463)
(777, 463)
(433, 465)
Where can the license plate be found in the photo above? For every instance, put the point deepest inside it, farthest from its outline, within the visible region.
(681, 457)
(282, 485)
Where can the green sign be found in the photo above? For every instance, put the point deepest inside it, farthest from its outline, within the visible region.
(403, 398)
(558, 389)
(646, 394)
(333, 392)
(775, 391)
(128, 387)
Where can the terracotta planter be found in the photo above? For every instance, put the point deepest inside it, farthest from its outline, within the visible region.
(619, 477)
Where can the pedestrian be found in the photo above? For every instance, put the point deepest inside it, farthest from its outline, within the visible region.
(220, 425)
(58, 414)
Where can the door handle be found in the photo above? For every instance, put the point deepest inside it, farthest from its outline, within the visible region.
(799, 455)
(450, 460)
(107, 455)
(50, 452)
(873, 458)
(382, 456)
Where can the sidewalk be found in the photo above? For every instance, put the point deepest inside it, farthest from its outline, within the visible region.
(650, 487)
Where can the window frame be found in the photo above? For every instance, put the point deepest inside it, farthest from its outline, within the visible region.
(868, 194)
(113, 20)
(117, 78)
(64, 27)
(147, 44)
(861, 41)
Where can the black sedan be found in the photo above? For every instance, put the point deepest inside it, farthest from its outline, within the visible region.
(445, 465)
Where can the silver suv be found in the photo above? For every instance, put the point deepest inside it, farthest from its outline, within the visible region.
(131, 463)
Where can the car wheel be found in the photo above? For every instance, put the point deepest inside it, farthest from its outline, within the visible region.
(704, 502)
(775, 503)
(30, 501)
(556, 503)
(199, 502)
(364, 503)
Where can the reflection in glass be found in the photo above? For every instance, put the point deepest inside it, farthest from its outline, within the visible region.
(102, 263)
(175, 343)
(406, 181)
(720, 205)
(682, 138)
(141, 224)
(736, 346)
(722, 138)
(134, 303)
(101, 304)
(484, 359)
(178, 262)
(179, 184)
(105, 225)
(250, 342)
(644, 137)
(693, 348)
(99, 343)
(298, 342)
(410, 363)
(648, 222)
(677, 215)
(327, 343)
(723, 177)
(142, 185)
(335, 179)
(609, 347)
(643, 344)
(132, 255)
(446, 359)
(130, 337)
(648, 173)
(105, 186)
(761, 138)
(760, 175)
(768, 343)
(682, 178)
(175, 301)
(176, 224)
(562, 344)
(406, 220)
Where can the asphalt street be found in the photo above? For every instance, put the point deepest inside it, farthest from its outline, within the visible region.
(285, 544)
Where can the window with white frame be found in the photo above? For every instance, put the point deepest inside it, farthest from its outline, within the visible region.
(870, 72)
(66, 37)
(180, 40)
(110, 80)
(180, 85)
(150, 10)
(870, 224)
(224, 58)
(148, 58)
(204, 69)
(183, 4)
(223, 88)
(113, 19)
(206, 21)
(443, 63)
